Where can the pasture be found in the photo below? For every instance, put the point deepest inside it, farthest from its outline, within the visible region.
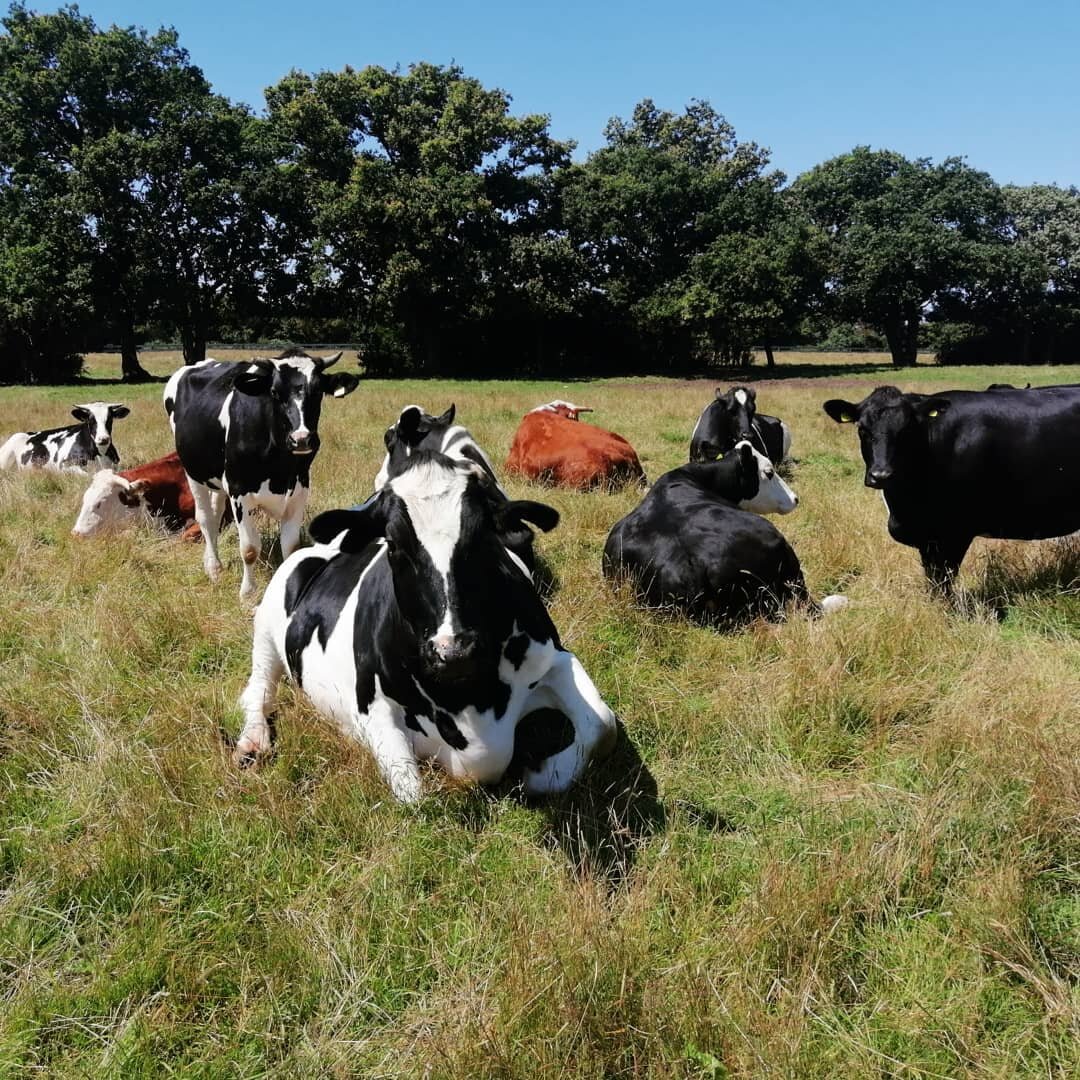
(848, 847)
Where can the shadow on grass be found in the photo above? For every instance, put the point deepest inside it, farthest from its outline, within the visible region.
(1048, 571)
(605, 819)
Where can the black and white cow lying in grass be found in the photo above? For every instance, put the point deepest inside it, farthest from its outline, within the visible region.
(82, 447)
(731, 417)
(418, 430)
(412, 627)
(696, 543)
(249, 432)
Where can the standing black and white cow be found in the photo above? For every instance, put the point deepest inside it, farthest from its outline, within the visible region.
(249, 432)
(731, 417)
(696, 543)
(411, 626)
(952, 466)
(417, 430)
(85, 446)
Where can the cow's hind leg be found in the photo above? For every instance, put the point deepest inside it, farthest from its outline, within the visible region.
(941, 560)
(250, 545)
(568, 688)
(260, 694)
(205, 500)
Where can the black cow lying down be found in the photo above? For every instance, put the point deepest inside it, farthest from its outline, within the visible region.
(731, 417)
(964, 463)
(697, 544)
(411, 626)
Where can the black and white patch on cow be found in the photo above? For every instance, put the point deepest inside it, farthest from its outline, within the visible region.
(960, 464)
(731, 417)
(85, 446)
(412, 628)
(248, 432)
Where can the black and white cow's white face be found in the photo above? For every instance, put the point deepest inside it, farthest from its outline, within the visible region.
(726, 420)
(441, 520)
(414, 430)
(295, 384)
(892, 427)
(98, 417)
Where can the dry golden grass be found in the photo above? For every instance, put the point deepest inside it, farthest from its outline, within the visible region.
(847, 847)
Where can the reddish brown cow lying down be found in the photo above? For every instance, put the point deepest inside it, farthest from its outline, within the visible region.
(158, 488)
(552, 447)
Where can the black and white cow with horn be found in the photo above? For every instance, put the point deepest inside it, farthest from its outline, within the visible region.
(248, 432)
(84, 446)
(410, 625)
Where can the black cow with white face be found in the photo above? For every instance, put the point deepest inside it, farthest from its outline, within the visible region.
(411, 626)
(696, 543)
(248, 432)
(417, 430)
(964, 463)
(82, 447)
(732, 417)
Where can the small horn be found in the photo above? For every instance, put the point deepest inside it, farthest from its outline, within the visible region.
(333, 359)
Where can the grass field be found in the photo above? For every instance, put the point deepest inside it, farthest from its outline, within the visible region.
(844, 848)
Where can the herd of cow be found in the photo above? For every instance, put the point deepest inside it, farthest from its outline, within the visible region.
(412, 621)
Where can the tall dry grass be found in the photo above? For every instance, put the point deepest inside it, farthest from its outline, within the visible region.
(844, 847)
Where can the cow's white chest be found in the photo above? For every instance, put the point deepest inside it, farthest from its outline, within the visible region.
(274, 503)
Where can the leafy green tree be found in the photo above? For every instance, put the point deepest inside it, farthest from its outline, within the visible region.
(430, 206)
(903, 237)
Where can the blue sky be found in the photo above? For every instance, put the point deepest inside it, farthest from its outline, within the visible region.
(995, 82)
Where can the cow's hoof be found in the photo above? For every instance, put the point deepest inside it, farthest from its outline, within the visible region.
(248, 754)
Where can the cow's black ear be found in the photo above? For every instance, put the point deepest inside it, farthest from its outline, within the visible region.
(118, 412)
(843, 412)
(447, 417)
(361, 525)
(750, 392)
(80, 413)
(516, 511)
(930, 407)
(340, 383)
(719, 392)
(255, 379)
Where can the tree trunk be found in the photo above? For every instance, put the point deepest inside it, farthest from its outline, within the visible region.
(902, 334)
(193, 340)
(770, 360)
(131, 371)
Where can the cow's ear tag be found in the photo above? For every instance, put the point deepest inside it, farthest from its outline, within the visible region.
(932, 413)
(846, 418)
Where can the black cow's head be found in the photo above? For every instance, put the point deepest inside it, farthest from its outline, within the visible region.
(727, 419)
(892, 430)
(414, 430)
(295, 383)
(98, 417)
(455, 584)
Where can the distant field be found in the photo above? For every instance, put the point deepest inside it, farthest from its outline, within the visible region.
(845, 848)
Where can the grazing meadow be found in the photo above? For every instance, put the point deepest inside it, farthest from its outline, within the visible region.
(847, 847)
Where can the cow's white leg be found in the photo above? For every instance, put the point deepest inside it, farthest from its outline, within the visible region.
(595, 730)
(250, 544)
(291, 521)
(381, 731)
(208, 522)
(260, 694)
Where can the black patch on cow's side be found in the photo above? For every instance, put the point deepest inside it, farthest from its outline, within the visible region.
(299, 580)
(516, 648)
(43, 447)
(320, 602)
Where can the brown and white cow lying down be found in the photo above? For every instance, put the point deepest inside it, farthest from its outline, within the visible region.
(552, 447)
(158, 489)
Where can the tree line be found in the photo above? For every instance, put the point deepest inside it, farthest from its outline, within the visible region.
(414, 212)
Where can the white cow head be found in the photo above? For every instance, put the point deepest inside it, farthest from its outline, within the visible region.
(773, 496)
(110, 502)
(99, 416)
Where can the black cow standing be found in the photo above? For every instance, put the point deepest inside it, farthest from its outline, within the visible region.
(81, 447)
(249, 432)
(964, 463)
(731, 417)
(696, 543)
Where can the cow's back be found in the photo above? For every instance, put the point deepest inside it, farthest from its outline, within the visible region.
(554, 449)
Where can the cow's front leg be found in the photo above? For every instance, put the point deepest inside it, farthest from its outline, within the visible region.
(570, 690)
(208, 520)
(380, 730)
(291, 521)
(941, 560)
(260, 694)
(250, 545)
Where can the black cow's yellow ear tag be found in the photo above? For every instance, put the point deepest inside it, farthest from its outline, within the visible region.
(846, 418)
(932, 413)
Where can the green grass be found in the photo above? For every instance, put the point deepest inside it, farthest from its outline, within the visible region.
(848, 848)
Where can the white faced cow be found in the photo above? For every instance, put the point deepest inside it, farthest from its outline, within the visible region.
(248, 432)
(83, 447)
(411, 626)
